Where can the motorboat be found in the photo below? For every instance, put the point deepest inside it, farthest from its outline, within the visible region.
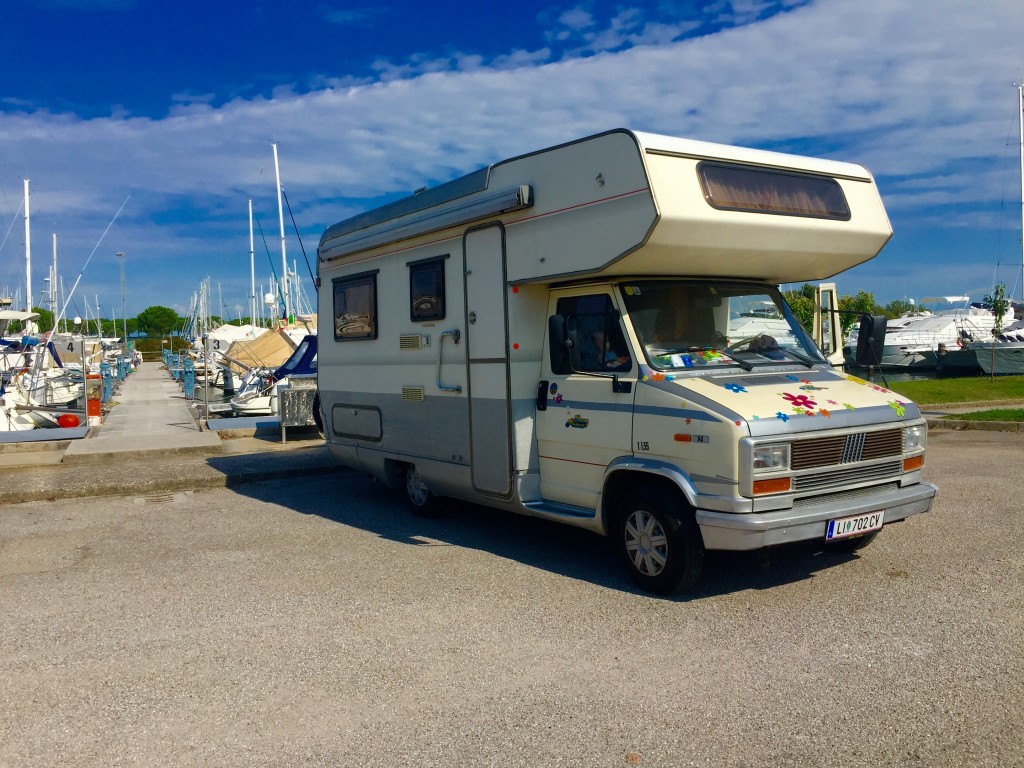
(258, 392)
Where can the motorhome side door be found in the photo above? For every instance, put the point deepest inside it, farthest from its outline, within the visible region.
(585, 398)
(487, 351)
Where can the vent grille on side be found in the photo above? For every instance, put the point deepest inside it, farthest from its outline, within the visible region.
(413, 394)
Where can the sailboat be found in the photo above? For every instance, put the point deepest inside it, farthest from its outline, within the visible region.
(1004, 353)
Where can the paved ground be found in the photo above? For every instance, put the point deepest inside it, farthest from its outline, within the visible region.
(313, 622)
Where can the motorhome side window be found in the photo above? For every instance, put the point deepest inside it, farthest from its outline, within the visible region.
(593, 326)
(426, 290)
(355, 307)
(764, 190)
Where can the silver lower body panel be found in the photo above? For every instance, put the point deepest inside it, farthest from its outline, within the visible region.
(724, 530)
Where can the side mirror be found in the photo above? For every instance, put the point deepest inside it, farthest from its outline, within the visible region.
(870, 340)
(559, 344)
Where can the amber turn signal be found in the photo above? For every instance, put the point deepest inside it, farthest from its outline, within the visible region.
(914, 462)
(775, 485)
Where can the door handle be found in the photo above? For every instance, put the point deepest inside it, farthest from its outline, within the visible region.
(542, 396)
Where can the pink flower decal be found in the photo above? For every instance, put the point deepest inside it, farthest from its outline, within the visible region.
(799, 401)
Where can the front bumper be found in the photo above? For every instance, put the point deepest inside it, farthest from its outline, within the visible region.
(725, 530)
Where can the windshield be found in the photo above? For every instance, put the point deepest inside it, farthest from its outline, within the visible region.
(690, 324)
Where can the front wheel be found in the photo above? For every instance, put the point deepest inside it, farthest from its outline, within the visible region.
(658, 537)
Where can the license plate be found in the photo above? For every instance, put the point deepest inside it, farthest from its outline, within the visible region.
(845, 527)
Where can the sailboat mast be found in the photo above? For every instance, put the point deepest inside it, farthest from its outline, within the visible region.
(284, 256)
(53, 282)
(252, 271)
(28, 255)
(1020, 115)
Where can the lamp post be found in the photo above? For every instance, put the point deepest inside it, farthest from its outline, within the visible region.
(124, 318)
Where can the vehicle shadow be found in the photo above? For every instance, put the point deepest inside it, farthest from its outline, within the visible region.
(564, 550)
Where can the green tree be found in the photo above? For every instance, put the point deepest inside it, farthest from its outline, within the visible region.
(157, 320)
(802, 303)
(997, 301)
(45, 321)
(897, 308)
(853, 307)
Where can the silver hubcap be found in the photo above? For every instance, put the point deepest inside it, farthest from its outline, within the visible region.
(416, 488)
(646, 543)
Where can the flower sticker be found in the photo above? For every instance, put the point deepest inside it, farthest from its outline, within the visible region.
(799, 401)
(737, 388)
(782, 416)
(897, 406)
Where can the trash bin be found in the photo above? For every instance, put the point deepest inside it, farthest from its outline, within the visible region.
(94, 397)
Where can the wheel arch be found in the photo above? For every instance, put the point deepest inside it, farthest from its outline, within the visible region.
(625, 476)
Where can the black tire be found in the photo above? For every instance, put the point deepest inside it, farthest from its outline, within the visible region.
(852, 544)
(418, 497)
(658, 538)
(318, 417)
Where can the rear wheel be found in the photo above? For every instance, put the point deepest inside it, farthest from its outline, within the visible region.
(420, 500)
(658, 537)
(318, 417)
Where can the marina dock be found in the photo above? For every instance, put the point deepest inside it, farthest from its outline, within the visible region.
(151, 441)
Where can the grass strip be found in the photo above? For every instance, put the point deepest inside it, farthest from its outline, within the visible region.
(993, 414)
(965, 390)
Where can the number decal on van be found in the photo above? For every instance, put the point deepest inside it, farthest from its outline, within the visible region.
(643, 445)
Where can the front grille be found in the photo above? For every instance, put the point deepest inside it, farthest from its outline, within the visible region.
(839, 476)
(845, 449)
(853, 493)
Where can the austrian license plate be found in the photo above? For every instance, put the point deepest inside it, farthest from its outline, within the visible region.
(845, 527)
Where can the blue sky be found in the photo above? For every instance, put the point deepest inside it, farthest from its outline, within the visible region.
(173, 107)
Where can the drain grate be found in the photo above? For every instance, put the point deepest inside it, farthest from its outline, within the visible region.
(162, 498)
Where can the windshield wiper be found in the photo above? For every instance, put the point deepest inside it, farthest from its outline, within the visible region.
(807, 360)
(741, 363)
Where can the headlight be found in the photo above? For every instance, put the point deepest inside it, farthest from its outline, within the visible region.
(771, 458)
(914, 438)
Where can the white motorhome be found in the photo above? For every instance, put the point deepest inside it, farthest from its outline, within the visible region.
(593, 334)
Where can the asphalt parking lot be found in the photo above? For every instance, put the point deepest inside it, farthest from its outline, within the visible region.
(314, 622)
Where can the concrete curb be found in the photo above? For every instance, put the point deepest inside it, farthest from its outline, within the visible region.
(141, 475)
(945, 410)
(148, 454)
